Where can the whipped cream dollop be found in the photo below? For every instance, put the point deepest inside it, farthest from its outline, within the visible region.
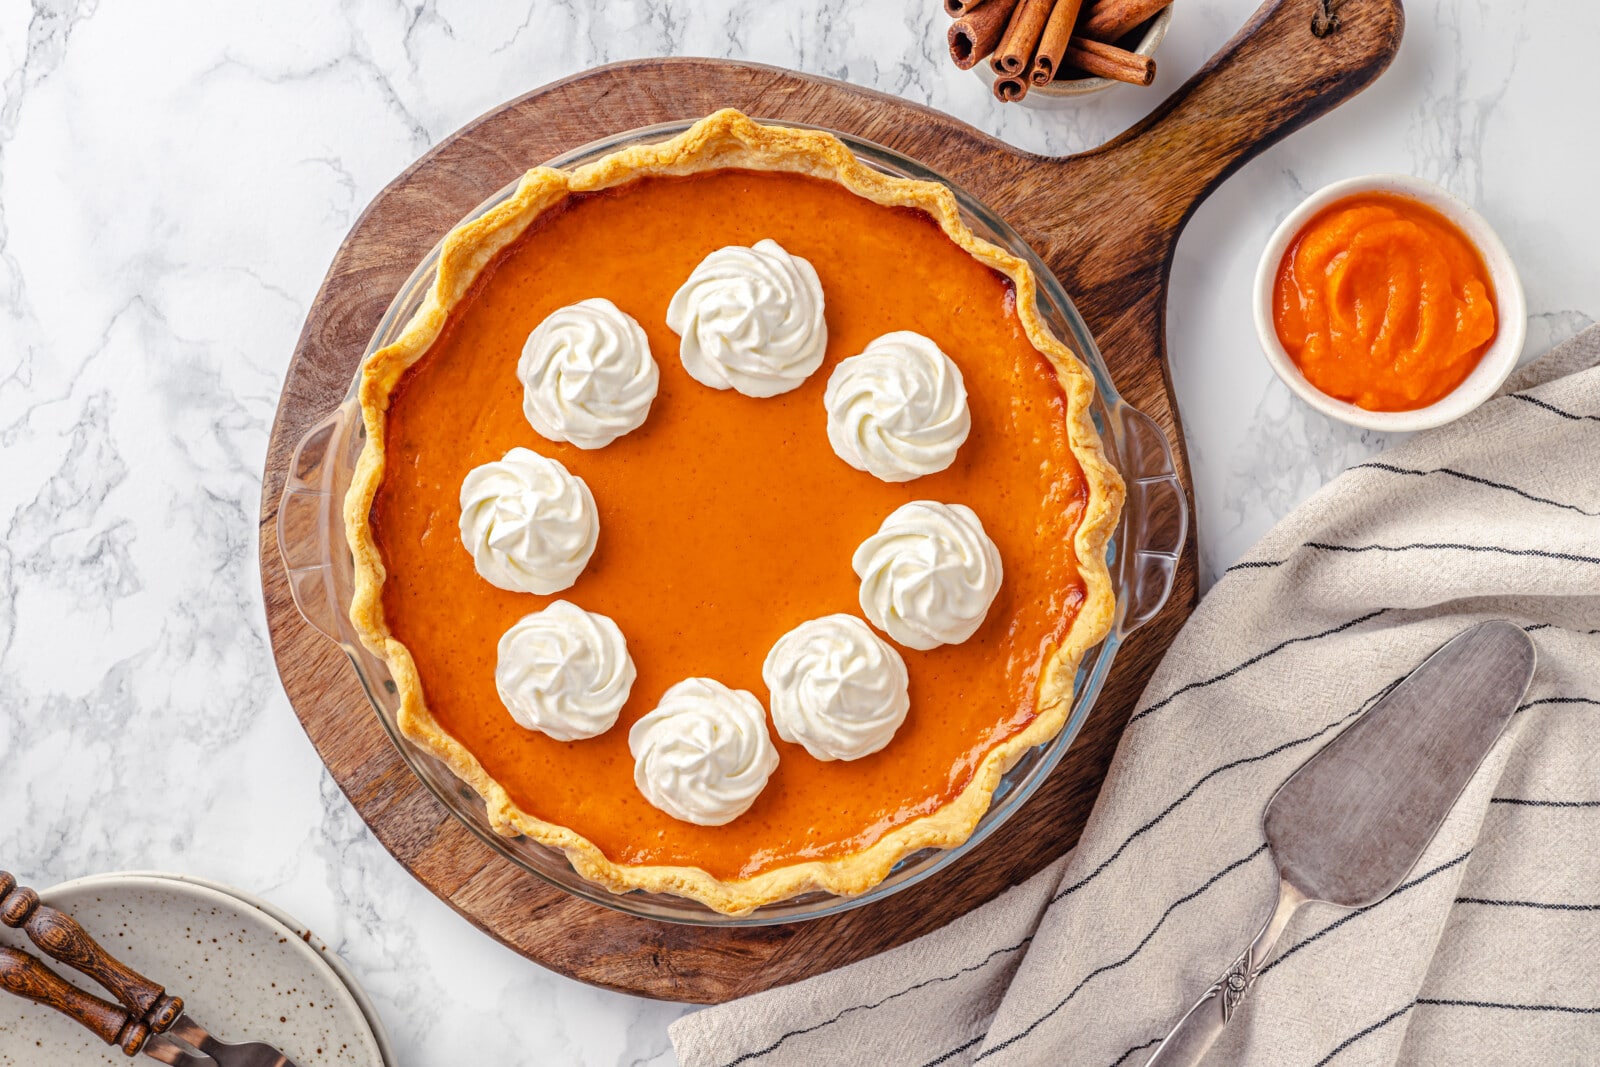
(899, 409)
(837, 688)
(750, 319)
(564, 671)
(530, 524)
(928, 575)
(703, 755)
(587, 374)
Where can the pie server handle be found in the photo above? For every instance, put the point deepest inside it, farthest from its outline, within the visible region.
(1200, 1027)
(60, 937)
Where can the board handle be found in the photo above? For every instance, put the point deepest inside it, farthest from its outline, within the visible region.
(1284, 67)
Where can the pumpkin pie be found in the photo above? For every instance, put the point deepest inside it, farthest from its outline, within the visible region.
(728, 518)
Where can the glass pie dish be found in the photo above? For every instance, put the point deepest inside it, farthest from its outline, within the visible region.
(1143, 558)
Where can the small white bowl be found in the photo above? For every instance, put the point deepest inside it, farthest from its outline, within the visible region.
(1511, 313)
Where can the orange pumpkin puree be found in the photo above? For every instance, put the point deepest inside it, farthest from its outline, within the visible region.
(1383, 302)
(726, 520)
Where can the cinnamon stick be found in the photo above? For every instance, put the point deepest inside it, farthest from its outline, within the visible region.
(957, 8)
(1108, 20)
(1016, 48)
(1053, 45)
(1109, 61)
(976, 34)
(1009, 88)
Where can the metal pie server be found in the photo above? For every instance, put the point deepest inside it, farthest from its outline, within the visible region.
(1349, 825)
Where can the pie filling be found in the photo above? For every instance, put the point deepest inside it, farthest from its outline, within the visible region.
(726, 520)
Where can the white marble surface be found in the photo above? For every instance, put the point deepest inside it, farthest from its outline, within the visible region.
(173, 180)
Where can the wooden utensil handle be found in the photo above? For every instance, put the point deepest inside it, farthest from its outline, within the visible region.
(24, 975)
(61, 938)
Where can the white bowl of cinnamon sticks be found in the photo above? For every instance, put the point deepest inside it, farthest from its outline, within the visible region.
(1032, 51)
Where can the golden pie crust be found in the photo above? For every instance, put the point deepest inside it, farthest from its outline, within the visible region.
(728, 139)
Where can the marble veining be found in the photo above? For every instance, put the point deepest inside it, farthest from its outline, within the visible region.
(174, 178)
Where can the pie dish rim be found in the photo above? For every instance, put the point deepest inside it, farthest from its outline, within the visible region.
(728, 139)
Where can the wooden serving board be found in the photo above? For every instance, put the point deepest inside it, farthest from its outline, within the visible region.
(1106, 221)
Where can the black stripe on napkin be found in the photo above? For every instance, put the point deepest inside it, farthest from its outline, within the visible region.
(1252, 661)
(958, 1050)
(1538, 553)
(1524, 802)
(1557, 700)
(1564, 629)
(1359, 1034)
(1536, 402)
(1255, 564)
(990, 958)
(1527, 904)
(1137, 1048)
(1104, 968)
(1570, 557)
(1475, 479)
(1445, 1002)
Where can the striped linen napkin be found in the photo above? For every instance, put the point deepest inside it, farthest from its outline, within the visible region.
(1488, 953)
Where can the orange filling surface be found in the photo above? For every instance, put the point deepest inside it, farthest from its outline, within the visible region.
(725, 520)
(1382, 302)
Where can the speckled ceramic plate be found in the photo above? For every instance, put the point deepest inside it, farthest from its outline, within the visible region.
(244, 969)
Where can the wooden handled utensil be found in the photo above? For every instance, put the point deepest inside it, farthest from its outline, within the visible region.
(59, 936)
(23, 974)
(147, 1021)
